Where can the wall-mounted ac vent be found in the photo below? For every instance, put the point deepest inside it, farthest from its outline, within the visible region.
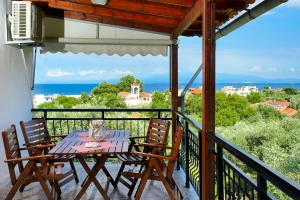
(26, 21)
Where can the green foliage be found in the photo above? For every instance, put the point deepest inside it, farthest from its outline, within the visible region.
(276, 142)
(113, 101)
(85, 98)
(48, 105)
(254, 97)
(290, 91)
(193, 104)
(161, 100)
(126, 81)
(231, 108)
(66, 102)
(105, 88)
(268, 112)
(295, 102)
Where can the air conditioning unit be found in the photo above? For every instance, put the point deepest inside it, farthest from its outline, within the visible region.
(26, 21)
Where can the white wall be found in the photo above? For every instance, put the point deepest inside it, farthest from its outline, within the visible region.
(15, 93)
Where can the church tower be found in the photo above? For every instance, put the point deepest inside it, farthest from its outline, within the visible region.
(135, 89)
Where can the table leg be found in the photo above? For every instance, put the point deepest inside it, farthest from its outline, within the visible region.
(92, 173)
(106, 172)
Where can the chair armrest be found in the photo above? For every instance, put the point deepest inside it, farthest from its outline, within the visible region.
(153, 145)
(137, 137)
(38, 147)
(58, 136)
(150, 155)
(33, 158)
(40, 143)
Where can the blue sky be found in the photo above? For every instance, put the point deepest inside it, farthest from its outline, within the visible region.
(267, 48)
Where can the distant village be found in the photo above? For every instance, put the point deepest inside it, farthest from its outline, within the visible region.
(136, 97)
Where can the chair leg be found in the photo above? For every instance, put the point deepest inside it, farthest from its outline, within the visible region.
(120, 173)
(20, 180)
(164, 181)
(43, 183)
(74, 171)
(134, 182)
(143, 182)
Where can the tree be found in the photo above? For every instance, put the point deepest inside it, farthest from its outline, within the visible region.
(161, 100)
(193, 104)
(111, 100)
(254, 97)
(105, 88)
(268, 112)
(48, 105)
(125, 83)
(290, 91)
(85, 98)
(66, 102)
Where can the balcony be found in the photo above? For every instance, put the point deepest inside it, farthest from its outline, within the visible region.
(238, 174)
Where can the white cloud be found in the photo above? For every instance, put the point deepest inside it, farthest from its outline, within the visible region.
(256, 68)
(292, 69)
(122, 72)
(90, 72)
(56, 73)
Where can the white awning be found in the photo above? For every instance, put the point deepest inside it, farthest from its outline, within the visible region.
(83, 37)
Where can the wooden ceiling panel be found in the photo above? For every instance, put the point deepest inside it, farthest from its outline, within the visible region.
(175, 17)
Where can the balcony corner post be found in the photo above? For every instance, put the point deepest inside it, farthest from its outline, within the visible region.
(174, 84)
(208, 99)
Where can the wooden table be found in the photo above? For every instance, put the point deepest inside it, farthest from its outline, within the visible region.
(65, 148)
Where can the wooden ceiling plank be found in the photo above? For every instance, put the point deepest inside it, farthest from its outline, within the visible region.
(189, 19)
(183, 3)
(116, 22)
(144, 7)
(106, 12)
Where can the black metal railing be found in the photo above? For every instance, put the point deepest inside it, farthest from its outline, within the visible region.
(64, 121)
(239, 175)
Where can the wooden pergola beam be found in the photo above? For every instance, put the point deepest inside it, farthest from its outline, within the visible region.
(190, 17)
(142, 7)
(208, 99)
(112, 13)
(116, 22)
(183, 3)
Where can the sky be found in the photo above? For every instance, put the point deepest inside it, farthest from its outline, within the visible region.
(268, 48)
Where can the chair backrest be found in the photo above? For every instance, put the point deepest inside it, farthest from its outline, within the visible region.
(158, 131)
(175, 150)
(35, 131)
(12, 151)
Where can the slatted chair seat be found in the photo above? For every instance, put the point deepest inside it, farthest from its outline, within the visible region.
(156, 136)
(35, 133)
(37, 169)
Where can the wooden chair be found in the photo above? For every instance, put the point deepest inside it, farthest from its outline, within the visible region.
(35, 133)
(157, 134)
(159, 168)
(37, 168)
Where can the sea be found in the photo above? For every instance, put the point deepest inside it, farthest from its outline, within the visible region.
(77, 89)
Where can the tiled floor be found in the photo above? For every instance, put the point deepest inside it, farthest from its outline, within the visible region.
(154, 190)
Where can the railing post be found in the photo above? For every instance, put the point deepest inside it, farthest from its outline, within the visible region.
(200, 161)
(158, 114)
(261, 187)
(102, 114)
(220, 169)
(178, 160)
(187, 155)
(45, 115)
